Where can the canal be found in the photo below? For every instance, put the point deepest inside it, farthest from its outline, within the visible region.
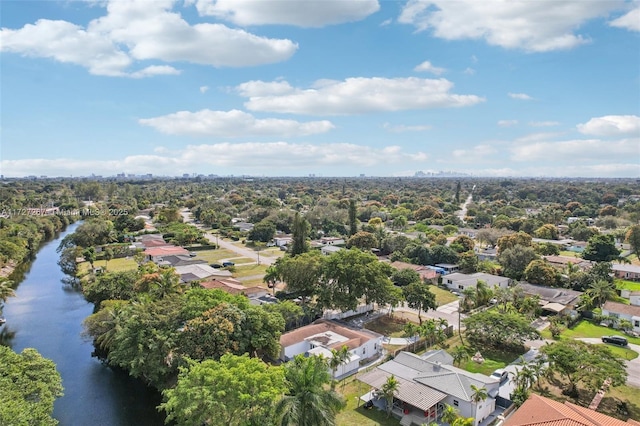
(47, 315)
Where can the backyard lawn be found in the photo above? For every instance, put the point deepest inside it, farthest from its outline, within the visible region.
(354, 416)
(493, 360)
(114, 265)
(628, 285)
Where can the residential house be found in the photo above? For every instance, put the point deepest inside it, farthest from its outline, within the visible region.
(622, 311)
(235, 287)
(460, 282)
(490, 254)
(157, 254)
(626, 272)
(327, 250)
(323, 335)
(282, 240)
(332, 241)
(200, 271)
(554, 300)
(426, 274)
(243, 226)
(541, 411)
(448, 268)
(180, 261)
(561, 262)
(426, 384)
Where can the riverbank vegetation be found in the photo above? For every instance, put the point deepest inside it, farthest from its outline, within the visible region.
(29, 385)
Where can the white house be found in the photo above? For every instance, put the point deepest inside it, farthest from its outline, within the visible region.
(460, 282)
(323, 335)
(622, 311)
(327, 250)
(429, 382)
(331, 241)
(282, 240)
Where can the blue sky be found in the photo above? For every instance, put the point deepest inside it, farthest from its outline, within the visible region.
(331, 87)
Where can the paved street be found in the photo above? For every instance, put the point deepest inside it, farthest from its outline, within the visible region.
(241, 251)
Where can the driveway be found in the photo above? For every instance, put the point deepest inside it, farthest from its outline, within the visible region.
(633, 366)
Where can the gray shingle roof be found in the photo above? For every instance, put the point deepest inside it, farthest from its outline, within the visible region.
(419, 396)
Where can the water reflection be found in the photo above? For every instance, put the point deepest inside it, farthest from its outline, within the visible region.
(47, 314)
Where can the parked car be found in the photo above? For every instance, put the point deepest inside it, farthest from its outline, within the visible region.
(216, 265)
(615, 340)
(227, 264)
(500, 374)
(192, 254)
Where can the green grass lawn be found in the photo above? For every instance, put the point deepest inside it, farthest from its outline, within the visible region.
(587, 329)
(354, 416)
(114, 265)
(628, 285)
(623, 353)
(249, 270)
(492, 361)
(442, 296)
(569, 253)
(215, 256)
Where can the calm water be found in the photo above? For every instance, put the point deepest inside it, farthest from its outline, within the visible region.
(47, 315)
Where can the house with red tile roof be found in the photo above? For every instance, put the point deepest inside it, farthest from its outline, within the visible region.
(323, 335)
(541, 411)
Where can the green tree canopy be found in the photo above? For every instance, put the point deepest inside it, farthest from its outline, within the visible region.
(233, 391)
(585, 364)
(419, 297)
(601, 248)
(495, 330)
(29, 385)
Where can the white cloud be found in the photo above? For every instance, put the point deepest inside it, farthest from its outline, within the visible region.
(354, 96)
(275, 159)
(520, 96)
(536, 26)
(475, 153)
(401, 128)
(469, 71)
(543, 123)
(204, 89)
(428, 67)
(629, 21)
(308, 13)
(535, 137)
(68, 43)
(143, 30)
(155, 70)
(386, 22)
(232, 123)
(575, 151)
(611, 125)
(581, 170)
(507, 123)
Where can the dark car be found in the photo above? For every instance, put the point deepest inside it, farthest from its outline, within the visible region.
(615, 340)
(216, 265)
(226, 264)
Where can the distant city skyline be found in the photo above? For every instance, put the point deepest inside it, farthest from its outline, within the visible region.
(327, 88)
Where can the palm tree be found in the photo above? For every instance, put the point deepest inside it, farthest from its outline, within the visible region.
(338, 358)
(428, 331)
(459, 354)
(389, 390)
(307, 402)
(449, 414)
(271, 277)
(411, 329)
(479, 394)
(168, 283)
(600, 291)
